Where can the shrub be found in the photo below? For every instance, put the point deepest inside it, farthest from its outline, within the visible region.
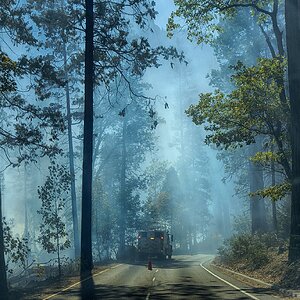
(252, 250)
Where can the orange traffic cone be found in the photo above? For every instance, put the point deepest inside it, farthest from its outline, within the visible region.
(149, 265)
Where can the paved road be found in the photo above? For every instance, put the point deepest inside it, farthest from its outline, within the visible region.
(185, 277)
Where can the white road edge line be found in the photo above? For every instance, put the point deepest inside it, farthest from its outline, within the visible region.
(248, 277)
(69, 287)
(232, 285)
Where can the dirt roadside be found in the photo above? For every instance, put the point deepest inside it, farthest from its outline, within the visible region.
(276, 274)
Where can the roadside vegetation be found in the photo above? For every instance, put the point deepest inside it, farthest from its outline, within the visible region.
(263, 257)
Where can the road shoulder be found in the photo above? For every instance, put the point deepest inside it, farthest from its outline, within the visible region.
(255, 283)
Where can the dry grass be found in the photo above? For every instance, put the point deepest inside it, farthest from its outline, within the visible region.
(276, 272)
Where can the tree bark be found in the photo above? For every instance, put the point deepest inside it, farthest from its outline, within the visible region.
(3, 276)
(292, 18)
(123, 200)
(257, 204)
(276, 29)
(86, 259)
(71, 161)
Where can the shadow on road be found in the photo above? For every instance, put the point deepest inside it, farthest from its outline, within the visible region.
(87, 288)
(166, 291)
(166, 264)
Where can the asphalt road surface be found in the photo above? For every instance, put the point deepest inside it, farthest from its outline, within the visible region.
(184, 277)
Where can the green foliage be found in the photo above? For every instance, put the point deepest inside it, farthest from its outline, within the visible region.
(120, 51)
(53, 235)
(275, 192)
(116, 49)
(200, 17)
(7, 70)
(13, 22)
(249, 249)
(34, 129)
(16, 249)
(265, 157)
(194, 13)
(279, 190)
(253, 108)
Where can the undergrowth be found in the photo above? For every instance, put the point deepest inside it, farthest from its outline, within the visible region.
(251, 250)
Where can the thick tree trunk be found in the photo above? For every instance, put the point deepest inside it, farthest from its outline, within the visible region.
(257, 204)
(292, 17)
(123, 199)
(3, 277)
(71, 161)
(86, 261)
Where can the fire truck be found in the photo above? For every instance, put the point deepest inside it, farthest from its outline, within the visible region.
(154, 244)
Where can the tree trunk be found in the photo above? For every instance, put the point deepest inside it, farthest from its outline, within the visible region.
(190, 239)
(26, 223)
(58, 254)
(257, 204)
(3, 277)
(276, 29)
(123, 199)
(71, 160)
(274, 211)
(86, 259)
(57, 235)
(292, 18)
(226, 220)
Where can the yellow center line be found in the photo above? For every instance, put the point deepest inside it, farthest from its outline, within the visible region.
(71, 286)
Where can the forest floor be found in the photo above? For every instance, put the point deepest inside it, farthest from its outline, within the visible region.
(41, 289)
(277, 272)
